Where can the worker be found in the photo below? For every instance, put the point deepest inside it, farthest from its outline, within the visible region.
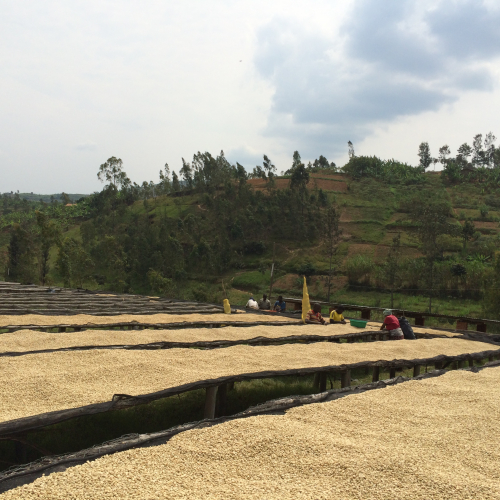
(264, 303)
(336, 316)
(280, 305)
(252, 304)
(314, 316)
(391, 324)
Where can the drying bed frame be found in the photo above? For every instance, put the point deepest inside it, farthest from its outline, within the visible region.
(216, 389)
(25, 474)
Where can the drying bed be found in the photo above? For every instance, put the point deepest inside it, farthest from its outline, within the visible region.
(434, 438)
(73, 383)
(31, 340)
(87, 319)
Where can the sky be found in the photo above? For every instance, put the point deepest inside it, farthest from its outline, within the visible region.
(155, 81)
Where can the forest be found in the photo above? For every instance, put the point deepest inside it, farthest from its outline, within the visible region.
(372, 228)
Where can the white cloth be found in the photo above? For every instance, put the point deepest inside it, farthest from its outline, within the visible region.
(252, 304)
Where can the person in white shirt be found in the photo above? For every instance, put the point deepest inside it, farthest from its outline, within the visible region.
(252, 304)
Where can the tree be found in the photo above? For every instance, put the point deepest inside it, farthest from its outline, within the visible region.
(300, 175)
(350, 148)
(492, 296)
(478, 156)
(240, 174)
(112, 171)
(392, 267)
(296, 162)
(21, 254)
(468, 230)
(65, 199)
(73, 263)
(187, 174)
(165, 183)
(463, 153)
(176, 185)
(269, 169)
(48, 233)
(424, 152)
(332, 234)
(431, 221)
(489, 149)
(444, 152)
(322, 164)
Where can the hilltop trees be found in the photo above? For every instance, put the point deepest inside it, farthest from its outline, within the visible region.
(112, 171)
(424, 152)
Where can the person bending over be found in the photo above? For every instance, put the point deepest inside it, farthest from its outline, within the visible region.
(391, 324)
(314, 316)
(252, 304)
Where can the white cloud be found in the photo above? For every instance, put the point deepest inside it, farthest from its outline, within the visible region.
(155, 81)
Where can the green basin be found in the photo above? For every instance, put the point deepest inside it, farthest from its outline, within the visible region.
(358, 323)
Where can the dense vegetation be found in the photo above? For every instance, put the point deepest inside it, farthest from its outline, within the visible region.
(371, 226)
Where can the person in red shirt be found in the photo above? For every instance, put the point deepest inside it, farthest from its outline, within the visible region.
(391, 324)
(314, 315)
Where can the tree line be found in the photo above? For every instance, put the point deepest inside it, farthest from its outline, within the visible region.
(207, 220)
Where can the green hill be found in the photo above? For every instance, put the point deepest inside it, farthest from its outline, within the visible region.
(215, 233)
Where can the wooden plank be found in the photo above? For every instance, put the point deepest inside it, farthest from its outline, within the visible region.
(345, 378)
(210, 402)
(322, 382)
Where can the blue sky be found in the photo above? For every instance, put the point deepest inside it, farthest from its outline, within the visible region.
(152, 82)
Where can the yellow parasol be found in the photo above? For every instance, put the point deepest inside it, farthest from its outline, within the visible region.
(306, 305)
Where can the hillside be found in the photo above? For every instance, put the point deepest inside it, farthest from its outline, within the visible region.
(187, 243)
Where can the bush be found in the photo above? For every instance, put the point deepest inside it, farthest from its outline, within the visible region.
(359, 269)
(254, 248)
(483, 210)
(306, 270)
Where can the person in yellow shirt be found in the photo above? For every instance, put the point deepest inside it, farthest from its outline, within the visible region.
(336, 316)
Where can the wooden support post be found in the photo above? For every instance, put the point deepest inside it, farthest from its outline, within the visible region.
(471, 363)
(230, 386)
(462, 325)
(220, 409)
(210, 401)
(491, 358)
(438, 365)
(322, 382)
(376, 374)
(460, 364)
(419, 321)
(416, 370)
(316, 380)
(20, 452)
(345, 379)
(392, 373)
(61, 329)
(366, 314)
(481, 327)
(77, 329)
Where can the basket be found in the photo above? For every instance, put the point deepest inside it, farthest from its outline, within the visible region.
(358, 323)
